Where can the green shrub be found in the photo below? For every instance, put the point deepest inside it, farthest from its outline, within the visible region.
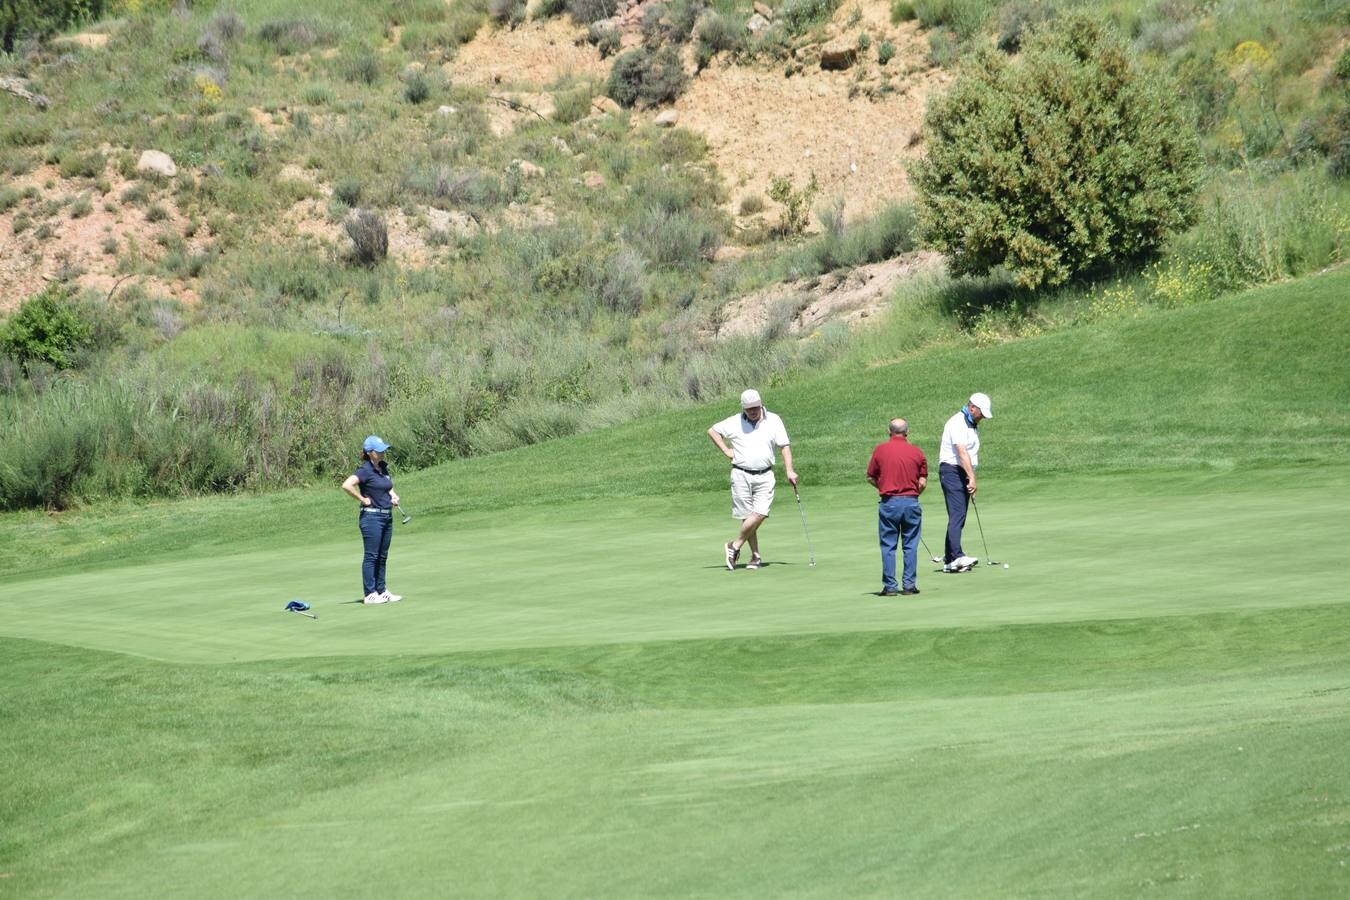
(799, 15)
(585, 12)
(348, 191)
(370, 236)
(82, 165)
(902, 11)
(796, 203)
(9, 198)
(1071, 159)
(48, 328)
(288, 36)
(1016, 20)
(885, 52)
(318, 94)
(547, 9)
(651, 77)
(417, 88)
(22, 132)
(363, 67)
(604, 38)
(572, 106)
(965, 17)
(507, 12)
(718, 32)
(942, 48)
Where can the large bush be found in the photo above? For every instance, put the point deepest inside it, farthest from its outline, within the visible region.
(1066, 160)
(48, 328)
(647, 76)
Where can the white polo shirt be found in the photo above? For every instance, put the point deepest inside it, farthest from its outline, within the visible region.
(752, 444)
(955, 432)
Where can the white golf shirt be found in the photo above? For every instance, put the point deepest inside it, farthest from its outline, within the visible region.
(752, 444)
(957, 432)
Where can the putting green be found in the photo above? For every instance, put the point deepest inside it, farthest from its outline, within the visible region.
(591, 573)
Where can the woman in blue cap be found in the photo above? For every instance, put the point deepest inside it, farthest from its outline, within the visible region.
(371, 485)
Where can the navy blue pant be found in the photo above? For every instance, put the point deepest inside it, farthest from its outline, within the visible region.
(376, 530)
(899, 517)
(954, 481)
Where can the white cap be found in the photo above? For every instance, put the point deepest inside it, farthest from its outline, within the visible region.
(750, 399)
(982, 401)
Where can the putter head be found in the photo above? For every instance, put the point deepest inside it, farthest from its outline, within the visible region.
(406, 518)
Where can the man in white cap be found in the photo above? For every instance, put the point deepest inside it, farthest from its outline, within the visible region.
(958, 458)
(752, 436)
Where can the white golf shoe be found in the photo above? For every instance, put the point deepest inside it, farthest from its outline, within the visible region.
(391, 598)
(373, 597)
(964, 562)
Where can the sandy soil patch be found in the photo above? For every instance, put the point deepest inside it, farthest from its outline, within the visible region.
(29, 263)
(535, 54)
(809, 303)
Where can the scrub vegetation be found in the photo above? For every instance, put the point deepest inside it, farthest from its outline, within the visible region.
(531, 306)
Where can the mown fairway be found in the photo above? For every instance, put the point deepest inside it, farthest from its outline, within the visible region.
(576, 700)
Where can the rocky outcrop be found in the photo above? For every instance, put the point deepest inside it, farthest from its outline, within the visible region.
(838, 55)
(18, 88)
(802, 307)
(156, 162)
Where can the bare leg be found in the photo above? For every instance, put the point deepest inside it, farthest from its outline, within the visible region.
(749, 525)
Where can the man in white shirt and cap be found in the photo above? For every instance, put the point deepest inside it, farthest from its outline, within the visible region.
(748, 440)
(958, 459)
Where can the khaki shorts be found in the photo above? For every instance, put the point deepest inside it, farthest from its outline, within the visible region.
(751, 494)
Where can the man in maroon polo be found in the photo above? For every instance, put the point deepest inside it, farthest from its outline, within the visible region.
(899, 472)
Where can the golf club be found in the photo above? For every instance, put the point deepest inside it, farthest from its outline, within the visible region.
(975, 506)
(406, 518)
(807, 531)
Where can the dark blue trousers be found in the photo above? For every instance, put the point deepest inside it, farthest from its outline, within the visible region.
(953, 479)
(376, 530)
(899, 517)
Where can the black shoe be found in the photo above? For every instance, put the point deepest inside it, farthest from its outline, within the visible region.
(910, 591)
(889, 592)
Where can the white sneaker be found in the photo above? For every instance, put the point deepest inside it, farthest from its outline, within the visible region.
(373, 597)
(964, 562)
(391, 598)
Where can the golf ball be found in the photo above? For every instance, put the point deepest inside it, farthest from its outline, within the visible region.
(1005, 565)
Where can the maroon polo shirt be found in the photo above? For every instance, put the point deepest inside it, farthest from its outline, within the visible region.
(897, 465)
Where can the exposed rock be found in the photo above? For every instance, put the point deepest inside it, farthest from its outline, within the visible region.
(446, 110)
(451, 222)
(156, 162)
(802, 307)
(667, 118)
(561, 146)
(756, 24)
(838, 55)
(762, 9)
(593, 180)
(17, 87)
(606, 106)
(527, 168)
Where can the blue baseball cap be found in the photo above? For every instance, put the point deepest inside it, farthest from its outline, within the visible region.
(374, 443)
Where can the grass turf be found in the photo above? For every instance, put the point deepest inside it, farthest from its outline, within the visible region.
(575, 699)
